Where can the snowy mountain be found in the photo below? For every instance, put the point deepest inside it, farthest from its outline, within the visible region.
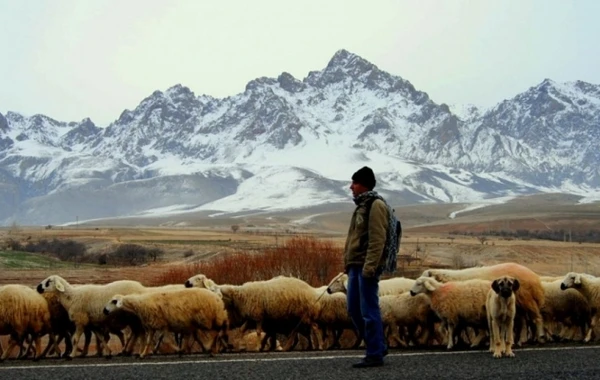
(288, 143)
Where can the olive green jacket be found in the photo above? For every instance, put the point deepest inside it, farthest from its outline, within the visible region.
(358, 250)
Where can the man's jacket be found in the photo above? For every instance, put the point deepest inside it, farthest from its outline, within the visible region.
(365, 241)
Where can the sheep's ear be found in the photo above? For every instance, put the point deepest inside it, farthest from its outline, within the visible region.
(205, 283)
(120, 303)
(516, 285)
(59, 286)
(577, 279)
(429, 286)
(495, 286)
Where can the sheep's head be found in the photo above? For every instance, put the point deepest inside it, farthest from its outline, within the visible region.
(339, 284)
(572, 280)
(52, 284)
(505, 286)
(423, 285)
(199, 281)
(115, 303)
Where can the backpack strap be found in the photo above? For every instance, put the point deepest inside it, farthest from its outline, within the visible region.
(365, 238)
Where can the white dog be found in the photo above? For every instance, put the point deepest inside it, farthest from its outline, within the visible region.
(501, 311)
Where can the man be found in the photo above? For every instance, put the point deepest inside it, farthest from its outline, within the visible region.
(363, 261)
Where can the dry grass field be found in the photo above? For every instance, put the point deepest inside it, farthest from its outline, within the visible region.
(431, 238)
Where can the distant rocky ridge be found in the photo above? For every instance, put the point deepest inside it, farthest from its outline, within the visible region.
(177, 149)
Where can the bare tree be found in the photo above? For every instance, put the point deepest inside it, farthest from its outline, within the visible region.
(235, 228)
(482, 239)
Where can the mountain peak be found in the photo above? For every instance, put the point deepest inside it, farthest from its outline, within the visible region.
(348, 62)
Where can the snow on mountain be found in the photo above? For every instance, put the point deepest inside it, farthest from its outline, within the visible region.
(288, 143)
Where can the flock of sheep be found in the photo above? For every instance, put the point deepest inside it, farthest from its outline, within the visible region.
(475, 306)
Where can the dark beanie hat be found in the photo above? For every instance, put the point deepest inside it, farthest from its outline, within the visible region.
(365, 177)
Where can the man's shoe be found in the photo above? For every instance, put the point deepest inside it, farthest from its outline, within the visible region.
(368, 362)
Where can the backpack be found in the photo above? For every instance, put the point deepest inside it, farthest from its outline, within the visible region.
(394, 235)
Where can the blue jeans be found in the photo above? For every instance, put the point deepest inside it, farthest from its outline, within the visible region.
(363, 307)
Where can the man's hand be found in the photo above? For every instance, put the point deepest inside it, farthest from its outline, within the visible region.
(368, 272)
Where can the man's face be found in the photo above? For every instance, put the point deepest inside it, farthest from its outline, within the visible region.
(357, 189)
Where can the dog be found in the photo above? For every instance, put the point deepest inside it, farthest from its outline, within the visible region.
(501, 310)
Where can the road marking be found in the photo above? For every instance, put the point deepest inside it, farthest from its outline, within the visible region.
(140, 363)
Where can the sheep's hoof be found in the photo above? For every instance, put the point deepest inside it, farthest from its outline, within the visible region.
(108, 357)
(68, 357)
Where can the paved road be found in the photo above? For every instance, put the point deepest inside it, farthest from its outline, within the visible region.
(576, 362)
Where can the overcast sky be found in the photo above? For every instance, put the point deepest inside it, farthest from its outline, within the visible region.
(71, 59)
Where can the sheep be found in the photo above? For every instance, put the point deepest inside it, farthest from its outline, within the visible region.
(589, 287)
(23, 312)
(394, 285)
(404, 312)
(250, 342)
(566, 307)
(281, 304)
(333, 315)
(456, 303)
(85, 304)
(501, 309)
(530, 298)
(178, 311)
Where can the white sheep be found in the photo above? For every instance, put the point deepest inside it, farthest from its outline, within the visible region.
(589, 287)
(389, 286)
(282, 304)
(567, 308)
(251, 342)
(183, 311)
(333, 316)
(457, 303)
(404, 314)
(85, 304)
(23, 311)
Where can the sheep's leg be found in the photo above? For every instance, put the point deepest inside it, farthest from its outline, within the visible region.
(149, 339)
(523, 331)
(102, 338)
(478, 338)
(539, 324)
(131, 342)
(11, 345)
(159, 341)
(316, 333)
(53, 343)
(79, 330)
(24, 352)
(196, 336)
(450, 333)
(593, 322)
(121, 337)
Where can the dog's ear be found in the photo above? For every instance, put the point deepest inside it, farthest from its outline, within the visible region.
(516, 285)
(577, 279)
(495, 286)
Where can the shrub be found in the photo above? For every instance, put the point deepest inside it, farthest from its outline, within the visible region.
(314, 261)
(133, 254)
